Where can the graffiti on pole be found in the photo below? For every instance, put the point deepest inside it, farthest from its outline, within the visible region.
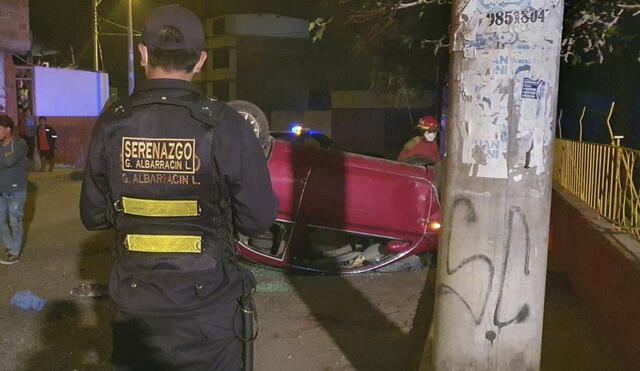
(470, 218)
(523, 312)
(477, 308)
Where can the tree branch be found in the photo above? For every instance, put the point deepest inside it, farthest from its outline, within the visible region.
(631, 6)
(402, 5)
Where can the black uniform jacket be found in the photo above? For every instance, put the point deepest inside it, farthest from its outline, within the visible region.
(167, 142)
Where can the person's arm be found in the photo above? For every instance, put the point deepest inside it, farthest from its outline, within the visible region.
(434, 151)
(408, 147)
(53, 136)
(244, 167)
(93, 197)
(14, 153)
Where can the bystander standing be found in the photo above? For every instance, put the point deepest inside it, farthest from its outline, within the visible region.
(46, 143)
(13, 189)
(30, 128)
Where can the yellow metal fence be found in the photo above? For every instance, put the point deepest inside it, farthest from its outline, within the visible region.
(604, 177)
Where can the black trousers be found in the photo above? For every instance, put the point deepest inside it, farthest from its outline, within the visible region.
(168, 343)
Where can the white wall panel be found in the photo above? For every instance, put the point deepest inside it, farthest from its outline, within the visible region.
(66, 92)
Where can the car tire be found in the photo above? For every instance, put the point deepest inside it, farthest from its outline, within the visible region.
(258, 121)
(262, 242)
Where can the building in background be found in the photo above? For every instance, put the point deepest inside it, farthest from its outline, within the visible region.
(262, 58)
(270, 60)
(15, 37)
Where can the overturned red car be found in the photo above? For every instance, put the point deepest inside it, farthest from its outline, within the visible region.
(343, 212)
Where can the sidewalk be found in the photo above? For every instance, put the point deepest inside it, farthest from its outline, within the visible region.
(370, 322)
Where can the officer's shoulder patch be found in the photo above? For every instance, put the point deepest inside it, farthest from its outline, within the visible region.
(121, 108)
(206, 110)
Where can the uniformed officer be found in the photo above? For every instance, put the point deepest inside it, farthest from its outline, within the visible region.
(174, 173)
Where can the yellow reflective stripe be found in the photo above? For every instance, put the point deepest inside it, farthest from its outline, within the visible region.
(163, 243)
(159, 208)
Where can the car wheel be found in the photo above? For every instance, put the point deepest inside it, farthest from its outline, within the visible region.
(257, 119)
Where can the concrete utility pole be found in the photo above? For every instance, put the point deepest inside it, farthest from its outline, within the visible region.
(492, 259)
(132, 78)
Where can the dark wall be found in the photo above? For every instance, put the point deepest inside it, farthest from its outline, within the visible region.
(74, 135)
(273, 73)
(603, 273)
(379, 131)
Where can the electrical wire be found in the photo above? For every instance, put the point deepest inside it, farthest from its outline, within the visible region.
(119, 25)
(24, 60)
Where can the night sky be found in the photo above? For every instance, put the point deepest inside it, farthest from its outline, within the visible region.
(62, 24)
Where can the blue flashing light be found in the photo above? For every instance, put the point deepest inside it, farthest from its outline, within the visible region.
(296, 129)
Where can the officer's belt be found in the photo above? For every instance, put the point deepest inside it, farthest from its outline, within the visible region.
(159, 208)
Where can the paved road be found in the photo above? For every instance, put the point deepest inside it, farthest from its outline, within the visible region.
(369, 322)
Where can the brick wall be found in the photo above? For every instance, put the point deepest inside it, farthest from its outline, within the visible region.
(74, 134)
(15, 34)
(10, 87)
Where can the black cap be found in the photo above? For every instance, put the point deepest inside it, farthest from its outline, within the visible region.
(178, 17)
(6, 121)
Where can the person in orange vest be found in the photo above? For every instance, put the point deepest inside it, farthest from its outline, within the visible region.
(424, 145)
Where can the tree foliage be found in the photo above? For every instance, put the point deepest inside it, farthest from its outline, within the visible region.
(591, 29)
(402, 39)
(401, 34)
